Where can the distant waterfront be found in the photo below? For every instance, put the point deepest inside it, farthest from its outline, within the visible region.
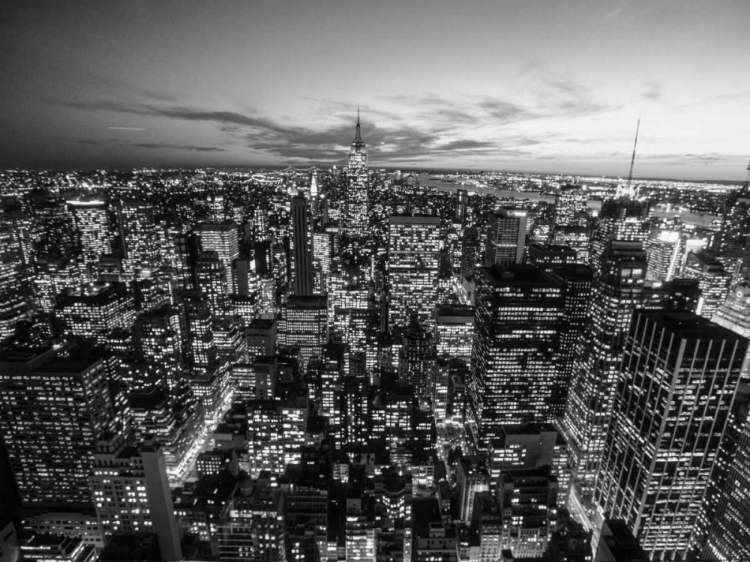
(452, 186)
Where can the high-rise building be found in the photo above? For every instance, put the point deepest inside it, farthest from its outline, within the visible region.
(302, 247)
(577, 281)
(619, 263)
(221, 238)
(413, 247)
(548, 257)
(577, 238)
(417, 360)
(519, 315)
(664, 251)
(462, 200)
(506, 237)
(210, 279)
(13, 305)
(571, 206)
(357, 186)
(94, 310)
(139, 238)
(304, 323)
(713, 281)
(454, 331)
(131, 491)
(620, 219)
(470, 251)
(52, 410)
(735, 224)
(727, 537)
(677, 382)
(614, 297)
(93, 237)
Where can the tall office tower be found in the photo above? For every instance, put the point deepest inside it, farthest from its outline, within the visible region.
(462, 200)
(454, 331)
(664, 251)
(13, 304)
(91, 220)
(615, 294)
(94, 310)
(302, 247)
(528, 499)
(140, 239)
(131, 491)
(357, 184)
(413, 247)
(417, 360)
(199, 347)
(216, 207)
(734, 314)
(727, 537)
(506, 237)
(735, 224)
(577, 238)
(521, 447)
(470, 252)
(304, 323)
(222, 239)
(157, 341)
(210, 279)
(518, 319)
(620, 219)
(52, 410)
(712, 280)
(548, 257)
(577, 281)
(353, 313)
(675, 388)
(571, 207)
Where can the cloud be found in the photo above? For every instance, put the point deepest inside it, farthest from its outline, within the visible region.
(438, 129)
(653, 91)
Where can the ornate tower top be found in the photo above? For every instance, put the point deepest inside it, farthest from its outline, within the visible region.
(358, 134)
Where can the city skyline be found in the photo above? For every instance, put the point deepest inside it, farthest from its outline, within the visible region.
(537, 88)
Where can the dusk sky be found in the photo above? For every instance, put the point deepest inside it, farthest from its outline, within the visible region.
(529, 86)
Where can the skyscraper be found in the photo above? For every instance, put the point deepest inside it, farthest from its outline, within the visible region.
(677, 382)
(727, 538)
(13, 305)
(571, 206)
(619, 263)
(304, 323)
(222, 239)
(139, 238)
(413, 247)
(52, 410)
(519, 312)
(91, 220)
(713, 281)
(357, 184)
(131, 491)
(615, 295)
(302, 247)
(506, 237)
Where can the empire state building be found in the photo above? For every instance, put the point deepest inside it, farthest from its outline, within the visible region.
(357, 184)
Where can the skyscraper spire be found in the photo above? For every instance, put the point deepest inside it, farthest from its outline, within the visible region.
(358, 135)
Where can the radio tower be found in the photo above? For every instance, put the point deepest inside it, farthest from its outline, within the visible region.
(632, 194)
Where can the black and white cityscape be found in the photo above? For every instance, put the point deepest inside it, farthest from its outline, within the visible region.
(420, 347)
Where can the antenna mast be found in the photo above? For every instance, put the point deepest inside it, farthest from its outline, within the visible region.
(632, 160)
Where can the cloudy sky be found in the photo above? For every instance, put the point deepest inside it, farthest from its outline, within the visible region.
(534, 85)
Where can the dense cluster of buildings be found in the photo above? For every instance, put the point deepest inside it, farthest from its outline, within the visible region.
(345, 365)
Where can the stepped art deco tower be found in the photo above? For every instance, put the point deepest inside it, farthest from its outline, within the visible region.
(357, 184)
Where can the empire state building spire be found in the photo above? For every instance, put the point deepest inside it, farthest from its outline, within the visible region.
(357, 184)
(358, 134)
